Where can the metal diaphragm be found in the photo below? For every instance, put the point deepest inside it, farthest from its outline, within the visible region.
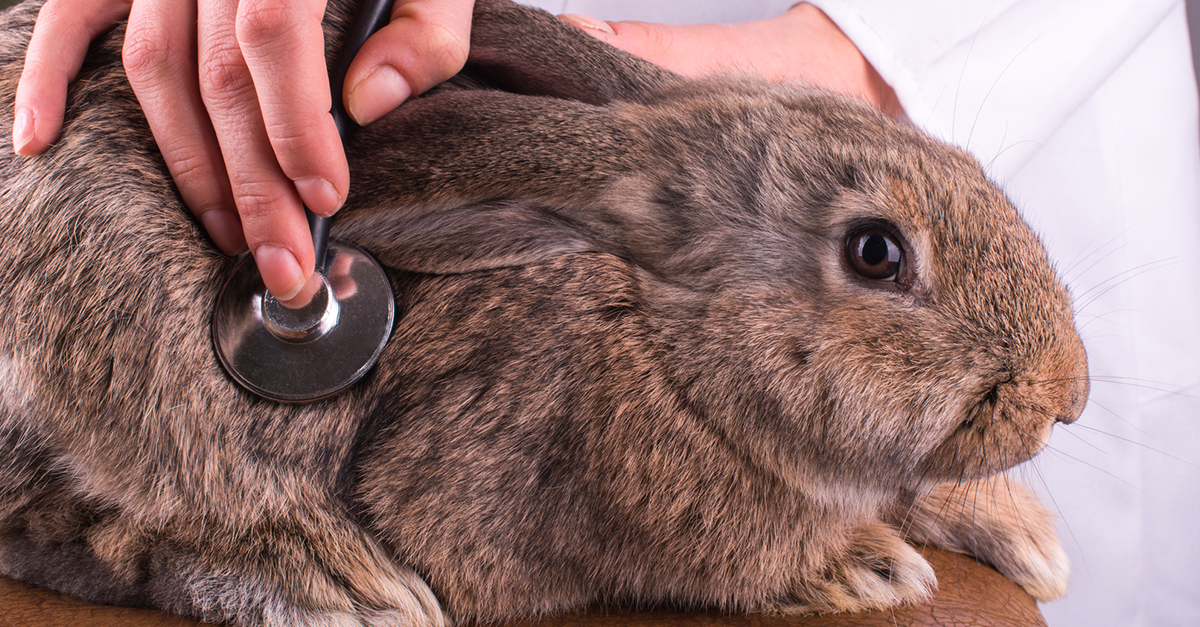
(296, 355)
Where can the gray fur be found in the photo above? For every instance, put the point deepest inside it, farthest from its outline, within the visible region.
(631, 364)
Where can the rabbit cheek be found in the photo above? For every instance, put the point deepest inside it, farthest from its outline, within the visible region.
(1010, 424)
(1039, 379)
(964, 454)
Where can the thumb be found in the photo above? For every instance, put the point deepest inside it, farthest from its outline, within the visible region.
(425, 43)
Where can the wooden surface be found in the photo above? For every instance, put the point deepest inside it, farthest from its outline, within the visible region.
(969, 594)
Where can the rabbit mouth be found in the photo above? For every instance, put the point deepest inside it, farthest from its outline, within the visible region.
(983, 413)
(985, 408)
(996, 432)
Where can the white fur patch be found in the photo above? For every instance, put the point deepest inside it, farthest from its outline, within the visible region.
(15, 390)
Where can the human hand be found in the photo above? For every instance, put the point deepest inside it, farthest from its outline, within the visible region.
(802, 44)
(237, 96)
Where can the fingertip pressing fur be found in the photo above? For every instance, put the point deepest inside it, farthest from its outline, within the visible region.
(649, 352)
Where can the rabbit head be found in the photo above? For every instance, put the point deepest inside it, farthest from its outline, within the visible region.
(855, 302)
(823, 297)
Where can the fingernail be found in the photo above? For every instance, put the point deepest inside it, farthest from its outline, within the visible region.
(377, 94)
(319, 195)
(306, 293)
(23, 129)
(281, 270)
(225, 229)
(587, 21)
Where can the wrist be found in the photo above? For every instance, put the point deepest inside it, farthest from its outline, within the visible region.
(818, 52)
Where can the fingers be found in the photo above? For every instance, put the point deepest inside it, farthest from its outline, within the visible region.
(159, 58)
(641, 39)
(425, 43)
(267, 201)
(282, 43)
(237, 96)
(61, 36)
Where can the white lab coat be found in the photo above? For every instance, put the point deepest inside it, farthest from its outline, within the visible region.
(1085, 112)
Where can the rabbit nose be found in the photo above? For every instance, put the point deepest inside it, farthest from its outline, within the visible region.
(1079, 396)
(1076, 408)
(1066, 419)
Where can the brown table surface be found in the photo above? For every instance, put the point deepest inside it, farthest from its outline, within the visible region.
(969, 594)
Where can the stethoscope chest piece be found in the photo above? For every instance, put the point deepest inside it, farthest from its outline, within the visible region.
(296, 355)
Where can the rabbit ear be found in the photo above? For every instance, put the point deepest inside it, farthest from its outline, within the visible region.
(525, 122)
(528, 51)
(475, 179)
(545, 119)
(459, 147)
(468, 180)
(467, 238)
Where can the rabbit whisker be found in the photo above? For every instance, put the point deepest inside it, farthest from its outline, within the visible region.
(1064, 454)
(1001, 152)
(979, 110)
(1118, 280)
(1103, 317)
(1081, 258)
(1147, 384)
(907, 520)
(1134, 442)
(963, 71)
(1070, 531)
(1117, 416)
(1084, 441)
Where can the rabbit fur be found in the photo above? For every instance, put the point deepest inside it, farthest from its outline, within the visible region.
(633, 364)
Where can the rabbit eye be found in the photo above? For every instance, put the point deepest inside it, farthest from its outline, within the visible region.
(875, 254)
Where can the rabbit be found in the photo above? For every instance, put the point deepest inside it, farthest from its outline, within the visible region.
(660, 342)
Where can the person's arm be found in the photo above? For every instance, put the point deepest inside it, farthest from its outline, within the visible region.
(801, 44)
(237, 96)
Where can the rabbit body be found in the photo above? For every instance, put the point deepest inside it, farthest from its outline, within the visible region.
(631, 364)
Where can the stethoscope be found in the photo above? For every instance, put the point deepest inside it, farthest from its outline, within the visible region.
(297, 355)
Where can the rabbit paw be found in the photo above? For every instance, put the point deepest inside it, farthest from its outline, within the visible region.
(292, 583)
(1037, 564)
(1000, 522)
(875, 569)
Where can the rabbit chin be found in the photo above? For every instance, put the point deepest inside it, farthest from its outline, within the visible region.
(994, 437)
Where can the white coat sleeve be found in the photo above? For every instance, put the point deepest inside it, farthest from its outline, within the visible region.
(996, 76)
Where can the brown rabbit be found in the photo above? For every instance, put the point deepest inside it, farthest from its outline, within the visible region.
(660, 341)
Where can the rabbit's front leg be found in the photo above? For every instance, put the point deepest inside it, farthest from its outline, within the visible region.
(311, 568)
(303, 571)
(1000, 522)
(871, 567)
